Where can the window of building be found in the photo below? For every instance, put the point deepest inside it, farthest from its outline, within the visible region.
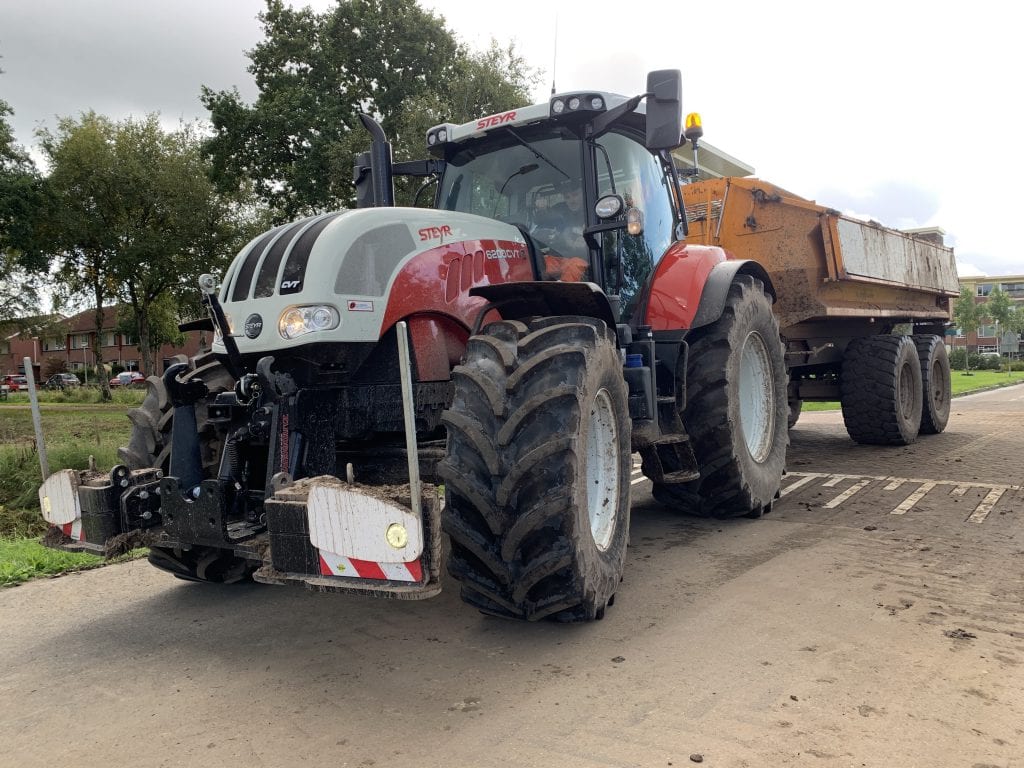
(1015, 290)
(987, 330)
(109, 339)
(985, 349)
(984, 289)
(54, 345)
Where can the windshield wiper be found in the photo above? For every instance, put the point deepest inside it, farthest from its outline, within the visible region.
(537, 153)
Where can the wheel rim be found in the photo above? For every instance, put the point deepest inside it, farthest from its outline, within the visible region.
(906, 394)
(602, 470)
(757, 397)
(939, 386)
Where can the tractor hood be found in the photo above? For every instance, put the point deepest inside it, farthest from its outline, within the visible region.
(350, 275)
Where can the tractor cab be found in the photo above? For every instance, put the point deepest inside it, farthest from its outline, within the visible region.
(586, 178)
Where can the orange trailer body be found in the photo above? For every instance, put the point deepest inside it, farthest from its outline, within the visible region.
(823, 265)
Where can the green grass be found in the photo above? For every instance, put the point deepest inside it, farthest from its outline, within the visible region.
(76, 425)
(72, 434)
(82, 395)
(962, 382)
(24, 559)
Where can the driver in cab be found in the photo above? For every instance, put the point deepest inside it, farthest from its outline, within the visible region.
(561, 234)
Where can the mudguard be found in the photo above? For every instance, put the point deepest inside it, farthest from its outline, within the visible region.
(690, 284)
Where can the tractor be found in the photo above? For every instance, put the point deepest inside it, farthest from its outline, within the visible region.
(518, 344)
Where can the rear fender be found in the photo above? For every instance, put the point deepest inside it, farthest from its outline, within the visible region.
(690, 286)
(716, 288)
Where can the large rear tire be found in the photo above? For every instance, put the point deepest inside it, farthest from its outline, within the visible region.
(150, 446)
(880, 390)
(736, 411)
(935, 383)
(537, 472)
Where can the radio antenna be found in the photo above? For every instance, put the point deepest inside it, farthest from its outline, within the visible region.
(554, 62)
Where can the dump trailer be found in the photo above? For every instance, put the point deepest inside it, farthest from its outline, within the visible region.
(858, 304)
(518, 342)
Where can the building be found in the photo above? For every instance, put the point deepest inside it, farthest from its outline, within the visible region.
(985, 339)
(70, 341)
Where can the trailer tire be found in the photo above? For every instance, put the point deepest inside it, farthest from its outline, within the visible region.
(736, 410)
(537, 470)
(795, 407)
(150, 446)
(880, 390)
(935, 383)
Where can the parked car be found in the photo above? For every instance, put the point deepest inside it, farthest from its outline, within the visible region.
(128, 379)
(15, 383)
(62, 381)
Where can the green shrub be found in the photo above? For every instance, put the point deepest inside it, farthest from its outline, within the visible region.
(977, 362)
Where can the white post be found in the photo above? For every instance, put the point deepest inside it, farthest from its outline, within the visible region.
(37, 419)
(409, 412)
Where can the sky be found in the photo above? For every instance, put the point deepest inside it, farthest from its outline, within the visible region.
(904, 112)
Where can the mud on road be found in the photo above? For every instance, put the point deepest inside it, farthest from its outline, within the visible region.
(874, 618)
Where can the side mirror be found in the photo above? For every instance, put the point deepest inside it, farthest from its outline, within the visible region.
(664, 109)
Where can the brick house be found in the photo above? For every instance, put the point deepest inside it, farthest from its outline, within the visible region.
(985, 339)
(71, 340)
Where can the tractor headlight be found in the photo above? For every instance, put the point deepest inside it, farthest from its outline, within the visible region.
(298, 321)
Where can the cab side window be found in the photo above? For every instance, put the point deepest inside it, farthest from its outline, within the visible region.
(626, 168)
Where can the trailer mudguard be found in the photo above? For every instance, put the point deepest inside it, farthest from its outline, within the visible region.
(690, 285)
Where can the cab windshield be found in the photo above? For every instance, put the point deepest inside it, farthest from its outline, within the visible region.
(531, 178)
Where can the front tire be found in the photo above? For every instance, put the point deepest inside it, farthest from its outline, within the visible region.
(736, 411)
(537, 472)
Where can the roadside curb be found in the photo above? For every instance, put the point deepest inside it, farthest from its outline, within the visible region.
(991, 388)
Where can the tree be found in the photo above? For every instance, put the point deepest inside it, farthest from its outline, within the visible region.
(20, 191)
(967, 315)
(999, 308)
(133, 217)
(316, 72)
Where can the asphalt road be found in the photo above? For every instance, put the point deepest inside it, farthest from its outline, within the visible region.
(874, 618)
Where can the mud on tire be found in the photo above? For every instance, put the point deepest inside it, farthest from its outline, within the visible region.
(737, 410)
(537, 470)
(881, 390)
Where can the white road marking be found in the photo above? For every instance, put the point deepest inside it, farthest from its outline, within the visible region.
(912, 499)
(847, 493)
(833, 481)
(896, 483)
(805, 478)
(982, 510)
(960, 490)
(637, 480)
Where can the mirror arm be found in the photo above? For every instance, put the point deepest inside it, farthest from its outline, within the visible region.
(605, 120)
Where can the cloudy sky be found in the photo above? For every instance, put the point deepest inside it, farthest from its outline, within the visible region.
(903, 111)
